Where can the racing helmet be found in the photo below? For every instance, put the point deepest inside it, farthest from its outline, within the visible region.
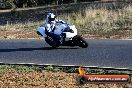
(51, 17)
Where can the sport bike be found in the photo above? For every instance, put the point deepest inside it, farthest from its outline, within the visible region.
(68, 34)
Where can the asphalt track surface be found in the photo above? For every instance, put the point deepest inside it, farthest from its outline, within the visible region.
(102, 53)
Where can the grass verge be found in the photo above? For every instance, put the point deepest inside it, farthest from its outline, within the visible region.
(103, 22)
(100, 23)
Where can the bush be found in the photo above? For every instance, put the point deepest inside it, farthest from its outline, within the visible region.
(5, 5)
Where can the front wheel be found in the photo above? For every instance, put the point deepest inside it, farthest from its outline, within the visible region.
(80, 41)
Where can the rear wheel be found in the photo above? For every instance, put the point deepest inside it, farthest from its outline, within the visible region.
(80, 41)
(52, 42)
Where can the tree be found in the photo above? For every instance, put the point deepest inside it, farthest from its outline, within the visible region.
(27, 3)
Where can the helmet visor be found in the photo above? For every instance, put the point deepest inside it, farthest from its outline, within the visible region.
(51, 19)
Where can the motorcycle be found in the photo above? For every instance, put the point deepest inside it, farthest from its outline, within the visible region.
(68, 34)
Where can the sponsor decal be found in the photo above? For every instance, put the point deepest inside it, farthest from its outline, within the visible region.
(101, 78)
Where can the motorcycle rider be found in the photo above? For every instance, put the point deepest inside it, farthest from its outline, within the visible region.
(50, 27)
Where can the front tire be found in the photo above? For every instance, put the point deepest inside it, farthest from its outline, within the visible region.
(80, 41)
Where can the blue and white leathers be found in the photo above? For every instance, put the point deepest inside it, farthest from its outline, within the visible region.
(50, 27)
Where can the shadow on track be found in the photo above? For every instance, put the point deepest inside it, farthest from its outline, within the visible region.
(32, 49)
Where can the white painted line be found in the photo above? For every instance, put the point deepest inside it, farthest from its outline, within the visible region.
(91, 66)
(67, 65)
(107, 67)
(124, 39)
(122, 68)
(49, 64)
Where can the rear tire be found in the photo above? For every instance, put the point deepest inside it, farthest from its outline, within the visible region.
(79, 41)
(52, 42)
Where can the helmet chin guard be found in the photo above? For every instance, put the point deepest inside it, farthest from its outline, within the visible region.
(51, 17)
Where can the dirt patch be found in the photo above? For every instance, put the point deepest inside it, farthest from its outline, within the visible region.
(28, 34)
(45, 79)
(18, 34)
(48, 79)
